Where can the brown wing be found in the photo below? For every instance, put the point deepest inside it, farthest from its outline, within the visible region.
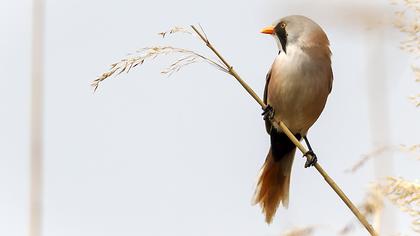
(268, 125)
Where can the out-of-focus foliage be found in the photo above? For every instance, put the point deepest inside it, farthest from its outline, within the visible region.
(408, 22)
(406, 195)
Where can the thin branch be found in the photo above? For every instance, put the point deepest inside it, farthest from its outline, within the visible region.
(275, 122)
(204, 32)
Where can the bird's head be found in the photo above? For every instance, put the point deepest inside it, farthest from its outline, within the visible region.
(297, 31)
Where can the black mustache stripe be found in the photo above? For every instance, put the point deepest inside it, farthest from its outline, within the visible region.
(282, 35)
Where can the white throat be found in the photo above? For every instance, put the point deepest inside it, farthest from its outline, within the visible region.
(278, 43)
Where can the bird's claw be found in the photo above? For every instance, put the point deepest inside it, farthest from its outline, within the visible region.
(311, 158)
(268, 113)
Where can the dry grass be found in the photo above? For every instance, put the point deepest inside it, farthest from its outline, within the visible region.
(376, 153)
(300, 231)
(366, 157)
(406, 195)
(413, 149)
(185, 57)
(176, 29)
(408, 22)
(416, 71)
(415, 99)
(347, 229)
(373, 206)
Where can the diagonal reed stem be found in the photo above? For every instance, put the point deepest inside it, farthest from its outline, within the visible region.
(289, 134)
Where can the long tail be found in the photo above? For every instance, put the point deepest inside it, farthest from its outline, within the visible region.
(273, 184)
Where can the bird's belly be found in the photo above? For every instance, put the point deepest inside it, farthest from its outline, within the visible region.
(298, 99)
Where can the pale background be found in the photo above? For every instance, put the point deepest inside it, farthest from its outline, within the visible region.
(149, 155)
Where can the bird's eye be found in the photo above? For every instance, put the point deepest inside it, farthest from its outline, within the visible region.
(283, 25)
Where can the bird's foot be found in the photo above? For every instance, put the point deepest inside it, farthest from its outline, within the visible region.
(268, 113)
(311, 158)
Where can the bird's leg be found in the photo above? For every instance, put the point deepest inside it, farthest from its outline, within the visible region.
(312, 159)
(268, 113)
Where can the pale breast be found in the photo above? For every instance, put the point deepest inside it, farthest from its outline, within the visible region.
(298, 89)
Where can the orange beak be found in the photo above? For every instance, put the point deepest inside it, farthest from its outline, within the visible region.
(268, 30)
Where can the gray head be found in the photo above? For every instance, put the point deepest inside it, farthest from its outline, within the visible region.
(297, 30)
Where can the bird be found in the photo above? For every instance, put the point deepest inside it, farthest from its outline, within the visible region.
(296, 91)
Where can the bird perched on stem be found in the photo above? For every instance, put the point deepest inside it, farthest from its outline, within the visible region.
(296, 90)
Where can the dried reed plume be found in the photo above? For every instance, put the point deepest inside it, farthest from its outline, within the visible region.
(300, 231)
(413, 149)
(175, 29)
(373, 206)
(415, 99)
(408, 22)
(186, 57)
(366, 157)
(406, 195)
